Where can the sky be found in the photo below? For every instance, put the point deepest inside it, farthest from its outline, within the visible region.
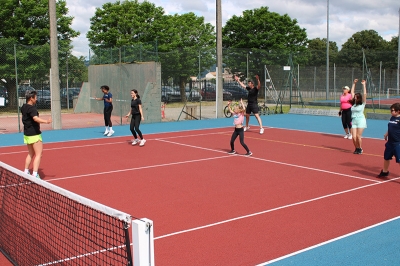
(345, 17)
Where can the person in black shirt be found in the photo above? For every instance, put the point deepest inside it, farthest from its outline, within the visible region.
(32, 133)
(392, 137)
(252, 101)
(108, 108)
(137, 116)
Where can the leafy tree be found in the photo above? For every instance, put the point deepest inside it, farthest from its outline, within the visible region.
(269, 36)
(25, 24)
(125, 26)
(317, 49)
(369, 41)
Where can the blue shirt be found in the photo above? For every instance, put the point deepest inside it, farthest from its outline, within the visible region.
(394, 130)
(107, 96)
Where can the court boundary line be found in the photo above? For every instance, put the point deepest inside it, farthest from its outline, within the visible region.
(274, 209)
(276, 162)
(328, 241)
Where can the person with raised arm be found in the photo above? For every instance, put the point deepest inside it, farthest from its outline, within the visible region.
(359, 122)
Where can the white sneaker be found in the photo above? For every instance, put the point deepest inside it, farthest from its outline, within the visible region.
(246, 128)
(142, 142)
(106, 132)
(262, 130)
(349, 136)
(135, 141)
(110, 133)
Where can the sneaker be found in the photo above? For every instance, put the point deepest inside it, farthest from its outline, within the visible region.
(37, 176)
(349, 136)
(232, 152)
(383, 174)
(360, 151)
(248, 154)
(262, 130)
(355, 151)
(106, 132)
(246, 128)
(110, 133)
(135, 141)
(142, 142)
(346, 136)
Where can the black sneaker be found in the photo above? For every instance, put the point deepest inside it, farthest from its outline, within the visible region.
(360, 151)
(248, 154)
(383, 174)
(232, 152)
(355, 151)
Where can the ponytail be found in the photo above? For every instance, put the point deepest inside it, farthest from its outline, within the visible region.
(137, 94)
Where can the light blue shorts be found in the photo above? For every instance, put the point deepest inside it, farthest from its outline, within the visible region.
(358, 122)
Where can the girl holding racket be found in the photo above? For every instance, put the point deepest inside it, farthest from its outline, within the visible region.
(32, 133)
(238, 116)
(137, 116)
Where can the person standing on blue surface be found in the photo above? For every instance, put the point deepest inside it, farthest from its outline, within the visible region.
(137, 116)
(345, 111)
(392, 137)
(238, 117)
(252, 101)
(32, 133)
(108, 107)
(358, 121)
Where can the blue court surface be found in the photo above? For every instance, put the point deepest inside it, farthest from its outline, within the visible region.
(376, 245)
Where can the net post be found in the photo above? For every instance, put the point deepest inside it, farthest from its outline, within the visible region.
(143, 242)
(128, 244)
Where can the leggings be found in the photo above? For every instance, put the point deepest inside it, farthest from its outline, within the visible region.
(346, 118)
(107, 116)
(238, 132)
(135, 122)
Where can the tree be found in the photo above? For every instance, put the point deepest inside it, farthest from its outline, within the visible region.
(25, 26)
(188, 37)
(317, 49)
(267, 36)
(351, 54)
(180, 39)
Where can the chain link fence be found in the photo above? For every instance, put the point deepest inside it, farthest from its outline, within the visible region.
(189, 73)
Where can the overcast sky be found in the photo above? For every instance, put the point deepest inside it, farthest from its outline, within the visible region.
(345, 17)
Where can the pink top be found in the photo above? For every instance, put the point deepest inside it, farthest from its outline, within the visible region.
(238, 119)
(345, 101)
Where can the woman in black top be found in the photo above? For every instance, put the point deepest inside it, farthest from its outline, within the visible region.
(137, 116)
(252, 101)
(32, 133)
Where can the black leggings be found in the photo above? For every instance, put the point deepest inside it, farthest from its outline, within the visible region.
(238, 132)
(346, 118)
(135, 122)
(107, 116)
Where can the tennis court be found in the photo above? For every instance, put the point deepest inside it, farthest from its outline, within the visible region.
(302, 198)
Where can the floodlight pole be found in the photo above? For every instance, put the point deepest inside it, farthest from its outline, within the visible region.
(327, 50)
(219, 89)
(54, 73)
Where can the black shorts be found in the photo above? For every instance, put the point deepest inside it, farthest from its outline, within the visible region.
(392, 150)
(252, 108)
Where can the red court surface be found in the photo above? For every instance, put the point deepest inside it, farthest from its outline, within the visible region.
(298, 189)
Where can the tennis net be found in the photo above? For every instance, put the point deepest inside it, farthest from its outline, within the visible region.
(42, 224)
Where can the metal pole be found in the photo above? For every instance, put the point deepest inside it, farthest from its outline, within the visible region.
(315, 77)
(327, 50)
(265, 84)
(380, 84)
(67, 84)
(398, 58)
(219, 112)
(334, 82)
(54, 79)
(16, 85)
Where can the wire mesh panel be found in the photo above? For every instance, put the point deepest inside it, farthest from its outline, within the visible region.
(42, 224)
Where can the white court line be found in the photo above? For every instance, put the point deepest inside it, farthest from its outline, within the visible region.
(139, 168)
(327, 242)
(272, 210)
(276, 162)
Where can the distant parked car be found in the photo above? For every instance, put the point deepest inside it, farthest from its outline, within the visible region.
(208, 93)
(194, 95)
(72, 93)
(43, 99)
(237, 91)
(4, 94)
(22, 90)
(169, 94)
